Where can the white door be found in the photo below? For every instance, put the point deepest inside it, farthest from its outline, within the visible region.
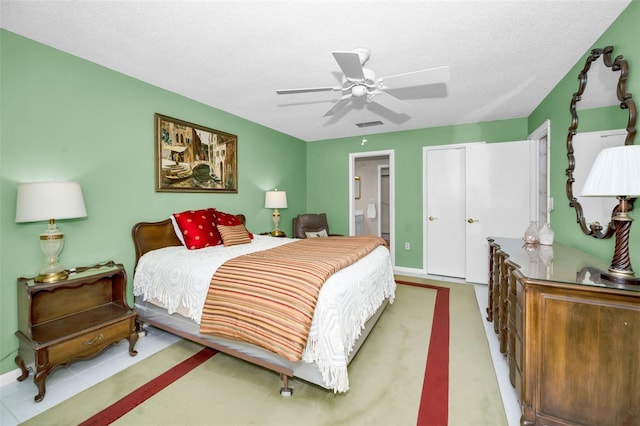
(500, 200)
(445, 193)
(473, 192)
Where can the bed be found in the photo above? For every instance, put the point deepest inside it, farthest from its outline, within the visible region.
(348, 305)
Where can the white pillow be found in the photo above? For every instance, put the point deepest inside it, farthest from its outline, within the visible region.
(317, 234)
(177, 230)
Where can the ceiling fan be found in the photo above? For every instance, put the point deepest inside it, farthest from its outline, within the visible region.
(358, 81)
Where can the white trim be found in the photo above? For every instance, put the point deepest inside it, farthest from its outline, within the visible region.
(410, 272)
(10, 377)
(419, 273)
(543, 131)
(392, 194)
(381, 167)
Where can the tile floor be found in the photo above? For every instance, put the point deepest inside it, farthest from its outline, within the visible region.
(16, 398)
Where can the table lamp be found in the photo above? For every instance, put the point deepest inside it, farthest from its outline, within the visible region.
(616, 173)
(50, 201)
(276, 200)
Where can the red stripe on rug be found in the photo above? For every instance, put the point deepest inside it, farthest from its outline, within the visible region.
(434, 402)
(149, 389)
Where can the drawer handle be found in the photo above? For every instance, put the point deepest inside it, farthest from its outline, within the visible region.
(94, 340)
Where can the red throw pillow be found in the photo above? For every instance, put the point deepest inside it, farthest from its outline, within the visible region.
(226, 219)
(198, 228)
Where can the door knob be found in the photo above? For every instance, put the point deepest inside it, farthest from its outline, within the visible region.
(470, 220)
(431, 218)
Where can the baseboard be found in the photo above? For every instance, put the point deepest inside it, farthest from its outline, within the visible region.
(410, 272)
(419, 273)
(10, 377)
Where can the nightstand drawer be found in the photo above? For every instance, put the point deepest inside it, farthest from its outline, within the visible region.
(90, 343)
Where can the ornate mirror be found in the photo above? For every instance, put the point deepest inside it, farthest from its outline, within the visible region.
(607, 86)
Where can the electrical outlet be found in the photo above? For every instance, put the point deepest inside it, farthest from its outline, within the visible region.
(407, 246)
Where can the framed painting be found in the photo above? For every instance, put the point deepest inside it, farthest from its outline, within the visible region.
(194, 158)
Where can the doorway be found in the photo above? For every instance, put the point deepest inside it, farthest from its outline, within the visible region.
(371, 195)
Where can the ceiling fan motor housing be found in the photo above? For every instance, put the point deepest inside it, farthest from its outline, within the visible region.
(360, 87)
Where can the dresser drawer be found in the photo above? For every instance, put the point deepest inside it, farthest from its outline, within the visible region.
(519, 293)
(90, 343)
(518, 316)
(518, 352)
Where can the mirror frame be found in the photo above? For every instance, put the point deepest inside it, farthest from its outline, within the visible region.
(626, 102)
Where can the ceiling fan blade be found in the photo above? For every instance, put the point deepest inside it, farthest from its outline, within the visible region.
(416, 78)
(308, 90)
(338, 105)
(350, 65)
(389, 102)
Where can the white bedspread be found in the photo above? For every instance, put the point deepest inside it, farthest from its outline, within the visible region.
(175, 276)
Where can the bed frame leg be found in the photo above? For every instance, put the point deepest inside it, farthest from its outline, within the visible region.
(285, 390)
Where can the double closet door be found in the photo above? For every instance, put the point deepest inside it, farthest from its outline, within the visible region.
(474, 191)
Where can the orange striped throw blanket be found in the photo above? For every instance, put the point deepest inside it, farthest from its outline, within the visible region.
(267, 298)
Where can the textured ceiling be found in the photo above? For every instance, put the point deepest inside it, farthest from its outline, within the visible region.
(504, 56)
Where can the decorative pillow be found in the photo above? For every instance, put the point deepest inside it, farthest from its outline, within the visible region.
(317, 234)
(198, 228)
(234, 235)
(227, 219)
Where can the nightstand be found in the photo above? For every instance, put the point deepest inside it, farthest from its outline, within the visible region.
(72, 319)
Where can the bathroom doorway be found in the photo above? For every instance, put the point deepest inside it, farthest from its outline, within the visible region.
(371, 209)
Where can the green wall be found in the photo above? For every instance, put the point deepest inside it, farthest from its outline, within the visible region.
(623, 35)
(63, 118)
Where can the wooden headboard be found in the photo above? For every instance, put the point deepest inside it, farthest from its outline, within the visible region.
(149, 236)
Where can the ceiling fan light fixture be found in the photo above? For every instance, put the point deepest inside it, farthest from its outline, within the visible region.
(358, 91)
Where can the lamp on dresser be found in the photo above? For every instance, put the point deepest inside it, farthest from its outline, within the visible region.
(616, 173)
(276, 200)
(50, 201)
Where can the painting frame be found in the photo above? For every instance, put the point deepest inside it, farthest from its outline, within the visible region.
(193, 158)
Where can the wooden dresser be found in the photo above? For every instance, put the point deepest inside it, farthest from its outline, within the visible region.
(571, 339)
(72, 319)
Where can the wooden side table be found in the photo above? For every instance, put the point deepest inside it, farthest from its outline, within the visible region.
(72, 319)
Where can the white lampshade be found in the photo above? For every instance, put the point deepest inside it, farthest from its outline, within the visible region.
(275, 200)
(615, 172)
(50, 201)
(41, 201)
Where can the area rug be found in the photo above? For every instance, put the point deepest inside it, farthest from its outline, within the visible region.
(400, 377)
